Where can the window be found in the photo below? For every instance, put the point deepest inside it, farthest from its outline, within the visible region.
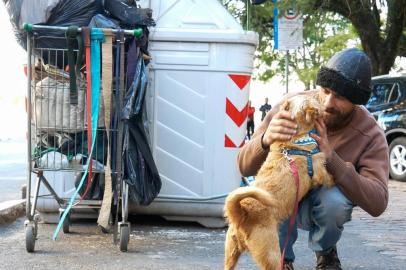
(384, 93)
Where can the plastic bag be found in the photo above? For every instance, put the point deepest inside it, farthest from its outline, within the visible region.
(140, 171)
(77, 144)
(14, 10)
(128, 13)
(53, 111)
(96, 189)
(53, 160)
(134, 99)
(64, 13)
(36, 11)
(74, 12)
(100, 21)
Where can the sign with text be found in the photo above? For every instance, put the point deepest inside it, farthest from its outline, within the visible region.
(288, 30)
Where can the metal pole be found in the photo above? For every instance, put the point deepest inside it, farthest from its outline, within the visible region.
(248, 10)
(287, 70)
(29, 27)
(28, 106)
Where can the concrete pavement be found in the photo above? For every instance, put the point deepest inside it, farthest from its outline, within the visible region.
(11, 210)
(367, 243)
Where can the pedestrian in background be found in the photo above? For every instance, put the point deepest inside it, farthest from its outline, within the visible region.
(250, 121)
(265, 108)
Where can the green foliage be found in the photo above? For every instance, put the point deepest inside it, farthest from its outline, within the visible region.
(324, 34)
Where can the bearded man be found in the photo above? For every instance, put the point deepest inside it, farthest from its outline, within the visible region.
(356, 152)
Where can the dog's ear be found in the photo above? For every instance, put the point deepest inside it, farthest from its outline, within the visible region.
(311, 114)
(286, 105)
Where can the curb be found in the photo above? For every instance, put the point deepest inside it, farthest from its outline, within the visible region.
(11, 210)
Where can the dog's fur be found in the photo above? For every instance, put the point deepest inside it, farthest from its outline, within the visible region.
(255, 212)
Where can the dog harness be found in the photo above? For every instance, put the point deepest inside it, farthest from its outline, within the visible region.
(306, 140)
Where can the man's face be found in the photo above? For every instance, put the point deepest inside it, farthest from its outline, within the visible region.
(336, 108)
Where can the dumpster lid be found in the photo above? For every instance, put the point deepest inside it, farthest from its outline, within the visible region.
(204, 35)
(196, 21)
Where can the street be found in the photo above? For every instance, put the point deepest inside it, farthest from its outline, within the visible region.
(367, 243)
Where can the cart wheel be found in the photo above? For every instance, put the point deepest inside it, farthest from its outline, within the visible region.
(65, 225)
(36, 219)
(35, 230)
(29, 238)
(124, 238)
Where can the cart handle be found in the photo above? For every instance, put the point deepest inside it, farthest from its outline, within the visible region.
(137, 32)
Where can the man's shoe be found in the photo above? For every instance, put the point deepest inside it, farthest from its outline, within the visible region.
(288, 265)
(328, 261)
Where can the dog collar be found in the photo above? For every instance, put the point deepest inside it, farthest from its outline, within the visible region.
(306, 140)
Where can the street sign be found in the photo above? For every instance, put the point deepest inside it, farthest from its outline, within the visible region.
(288, 30)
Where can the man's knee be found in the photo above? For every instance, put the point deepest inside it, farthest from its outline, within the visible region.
(331, 206)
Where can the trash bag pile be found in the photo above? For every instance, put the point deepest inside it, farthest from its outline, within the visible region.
(138, 166)
(122, 13)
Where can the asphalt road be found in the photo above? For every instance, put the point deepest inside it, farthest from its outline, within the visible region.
(367, 243)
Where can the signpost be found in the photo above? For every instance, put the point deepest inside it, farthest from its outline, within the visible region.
(288, 34)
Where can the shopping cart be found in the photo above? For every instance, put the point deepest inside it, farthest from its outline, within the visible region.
(63, 134)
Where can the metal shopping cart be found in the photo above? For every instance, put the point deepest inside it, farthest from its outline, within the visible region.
(67, 130)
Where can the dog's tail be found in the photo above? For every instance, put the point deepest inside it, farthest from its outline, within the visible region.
(232, 208)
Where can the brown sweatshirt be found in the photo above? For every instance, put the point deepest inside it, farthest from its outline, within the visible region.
(359, 163)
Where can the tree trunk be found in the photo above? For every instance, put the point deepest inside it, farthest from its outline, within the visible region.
(381, 48)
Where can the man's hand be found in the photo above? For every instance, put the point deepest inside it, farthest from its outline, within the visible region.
(321, 138)
(281, 128)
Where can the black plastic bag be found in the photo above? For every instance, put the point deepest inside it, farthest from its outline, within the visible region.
(140, 171)
(134, 99)
(65, 13)
(13, 8)
(96, 189)
(77, 144)
(100, 21)
(128, 13)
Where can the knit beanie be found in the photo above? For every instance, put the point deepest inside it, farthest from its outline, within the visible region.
(348, 73)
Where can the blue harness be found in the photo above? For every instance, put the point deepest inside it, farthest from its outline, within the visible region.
(306, 153)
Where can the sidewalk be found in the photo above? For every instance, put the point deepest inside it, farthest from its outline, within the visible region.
(367, 243)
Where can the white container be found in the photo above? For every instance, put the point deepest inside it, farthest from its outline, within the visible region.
(197, 49)
(199, 76)
(63, 182)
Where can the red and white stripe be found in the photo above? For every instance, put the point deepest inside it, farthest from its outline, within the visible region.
(236, 110)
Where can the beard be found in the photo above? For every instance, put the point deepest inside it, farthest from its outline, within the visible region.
(335, 119)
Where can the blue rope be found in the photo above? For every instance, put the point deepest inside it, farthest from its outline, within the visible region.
(97, 37)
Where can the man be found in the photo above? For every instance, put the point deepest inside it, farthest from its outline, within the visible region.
(356, 152)
(265, 109)
(250, 120)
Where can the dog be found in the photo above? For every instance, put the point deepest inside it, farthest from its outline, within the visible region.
(255, 212)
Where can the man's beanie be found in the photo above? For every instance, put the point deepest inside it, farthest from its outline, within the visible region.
(348, 73)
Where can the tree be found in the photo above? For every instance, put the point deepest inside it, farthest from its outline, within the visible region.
(324, 34)
(381, 40)
(380, 25)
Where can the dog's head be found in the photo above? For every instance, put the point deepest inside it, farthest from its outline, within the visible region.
(305, 108)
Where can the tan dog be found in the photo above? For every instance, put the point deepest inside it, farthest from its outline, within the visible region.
(255, 212)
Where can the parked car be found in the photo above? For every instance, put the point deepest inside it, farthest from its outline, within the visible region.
(388, 105)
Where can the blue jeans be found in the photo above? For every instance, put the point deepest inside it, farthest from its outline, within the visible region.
(323, 213)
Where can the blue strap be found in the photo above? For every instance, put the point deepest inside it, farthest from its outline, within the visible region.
(308, 155)
(97, 37)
